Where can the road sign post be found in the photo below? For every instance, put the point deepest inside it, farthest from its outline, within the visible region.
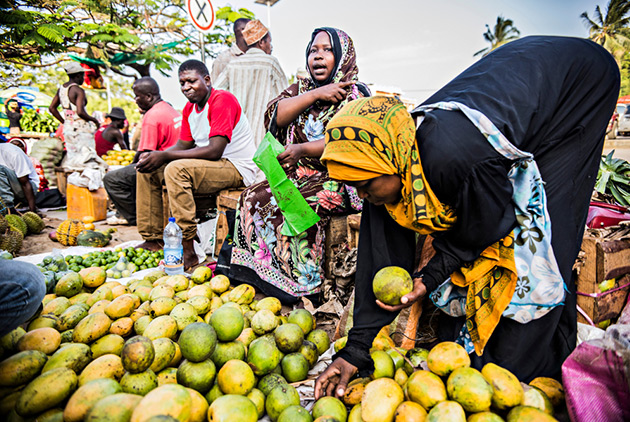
(201, 15)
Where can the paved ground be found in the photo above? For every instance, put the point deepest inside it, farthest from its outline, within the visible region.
(621, 145)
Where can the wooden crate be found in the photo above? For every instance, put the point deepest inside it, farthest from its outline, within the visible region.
(62, 179)
(605, 259)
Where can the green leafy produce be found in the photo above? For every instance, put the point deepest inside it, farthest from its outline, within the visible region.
(613, 178)
(33, 121)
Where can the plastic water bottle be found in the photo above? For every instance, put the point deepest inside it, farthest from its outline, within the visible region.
(173, 250)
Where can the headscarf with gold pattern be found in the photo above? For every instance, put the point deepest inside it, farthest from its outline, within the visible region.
(375, 136)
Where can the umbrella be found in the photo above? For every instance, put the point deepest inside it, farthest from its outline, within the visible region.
(624, 100)
(26, 97)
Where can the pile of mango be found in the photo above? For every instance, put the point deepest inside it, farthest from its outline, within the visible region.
(440, 385)
(119, 158)
(173, 348)
(194, 349)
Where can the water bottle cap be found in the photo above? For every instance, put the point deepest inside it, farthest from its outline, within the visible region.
(171, 219)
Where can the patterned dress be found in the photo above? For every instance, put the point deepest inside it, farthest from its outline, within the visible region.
(291, 267)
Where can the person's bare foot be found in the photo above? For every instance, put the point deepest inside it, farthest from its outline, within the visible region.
(151, 245)
(190, 257)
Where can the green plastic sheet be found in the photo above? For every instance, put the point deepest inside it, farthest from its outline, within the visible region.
(298, 215)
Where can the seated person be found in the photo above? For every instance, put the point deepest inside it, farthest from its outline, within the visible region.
(206, 159)
(18, 178)
(109, 135)
(43, 182)
(290, 267)
(22, 289)
(160, 130)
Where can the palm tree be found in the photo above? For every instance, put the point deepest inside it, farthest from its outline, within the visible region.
(611, 31)
(503, 32)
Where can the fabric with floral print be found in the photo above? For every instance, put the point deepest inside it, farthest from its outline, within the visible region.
(292, 264)
(539, 287)
(295, 264)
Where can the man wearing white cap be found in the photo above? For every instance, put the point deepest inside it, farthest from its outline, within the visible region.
(254, 78)
(78, 125)
(238, 48)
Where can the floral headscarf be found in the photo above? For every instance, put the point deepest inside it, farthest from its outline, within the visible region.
(310, 124)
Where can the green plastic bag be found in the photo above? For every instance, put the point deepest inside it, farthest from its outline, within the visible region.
(298, 215)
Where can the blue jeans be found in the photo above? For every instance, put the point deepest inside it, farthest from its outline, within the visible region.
(11, 190)
(22, 289)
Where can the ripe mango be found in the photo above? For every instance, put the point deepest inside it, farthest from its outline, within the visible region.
(390, 284)
(140, 383)
(115, 408)
(534, 397)
(354, 391)
(201, 275)
(91, 328)
(162, 326)
(528, 413)
(551, 387)
(446, 411)
(87, 396)
(425, 388)
(199, 406)
(71, 316)
(46, 340)
(383, 365)
(122, 326)
(121, 306)
(201, 290)
(42, 321)
(46, 391)
(56, 306)
(99, 306)
(410, 411)
(380, 400)
(106, 366)
(165, 350)
(21, 368)
(470, 389)
(137, 354)
(447, 356)
(110, 343)
(178, 282)
(242, 294)
(507, 388)
(75, 356)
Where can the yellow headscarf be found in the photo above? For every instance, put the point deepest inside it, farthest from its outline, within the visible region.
(375, 136)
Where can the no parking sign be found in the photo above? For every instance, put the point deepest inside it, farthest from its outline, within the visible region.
(201, 14)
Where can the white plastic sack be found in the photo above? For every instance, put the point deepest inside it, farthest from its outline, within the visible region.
(207, 233)
(89, 178)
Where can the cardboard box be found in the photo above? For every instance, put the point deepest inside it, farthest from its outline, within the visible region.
(604, 260)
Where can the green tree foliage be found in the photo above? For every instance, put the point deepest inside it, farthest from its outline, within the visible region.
(137, 34)
(611, 29)
(503, 32)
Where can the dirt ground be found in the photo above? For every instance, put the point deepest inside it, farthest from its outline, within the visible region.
(41, 243)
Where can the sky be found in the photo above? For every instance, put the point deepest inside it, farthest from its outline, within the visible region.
(416, 46)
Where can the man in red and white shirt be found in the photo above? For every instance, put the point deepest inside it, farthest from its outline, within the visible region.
(161, 125)
(214, 152)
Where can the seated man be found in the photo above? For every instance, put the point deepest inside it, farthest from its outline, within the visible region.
(214, 152)
(109, 135)
(160, 130)
(18, 178)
